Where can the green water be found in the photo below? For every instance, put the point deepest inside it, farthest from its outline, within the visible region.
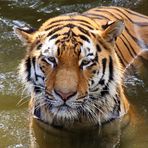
(14, 121)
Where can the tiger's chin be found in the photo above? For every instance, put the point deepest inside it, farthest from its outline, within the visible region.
(64, 116)
(59, 116)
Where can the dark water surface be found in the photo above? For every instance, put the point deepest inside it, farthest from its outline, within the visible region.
(14, 122)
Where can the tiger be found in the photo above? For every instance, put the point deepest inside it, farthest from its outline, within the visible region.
(74, 65)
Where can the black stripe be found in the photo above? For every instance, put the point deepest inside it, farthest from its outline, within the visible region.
(136, 14)
(28, 67)
(110, 68)
(106, 11)
(84, 38)
(94, 90)
(37, 89)
(54, 36)
(70, 25)
(104, 91)
(53, 26)
(92, 82)
(83, 30)
(33, 62)
(102, 81)
(38, 76)
(104, 64)
(107, 25)
(91, 28)
(96, 58)
(58, 41)
(98, 48)
(58, 51)
(89, 54)
(90, 66)
(127, 47)
(39, 46)
(98, 16)
(94, 35)
(122, 59)
(129, 44)
(70, 20)
(54, 30)
(116, 108)
(104, 60)
(72, 33)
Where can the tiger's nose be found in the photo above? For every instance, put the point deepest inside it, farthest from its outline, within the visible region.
(65, 96)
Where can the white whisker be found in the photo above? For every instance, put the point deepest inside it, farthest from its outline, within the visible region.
(20, 103)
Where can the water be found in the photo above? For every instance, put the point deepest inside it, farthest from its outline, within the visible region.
(14, 121)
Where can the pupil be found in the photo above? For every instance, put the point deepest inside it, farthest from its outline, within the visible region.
(51, 59)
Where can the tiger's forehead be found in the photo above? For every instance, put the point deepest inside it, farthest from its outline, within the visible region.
(50, 48)
(65, 33)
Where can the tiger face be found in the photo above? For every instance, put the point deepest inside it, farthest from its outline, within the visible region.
(72, 70)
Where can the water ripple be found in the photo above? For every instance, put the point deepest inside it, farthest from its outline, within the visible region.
(9, 84)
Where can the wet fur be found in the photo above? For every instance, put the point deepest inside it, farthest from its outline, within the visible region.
(96, 88)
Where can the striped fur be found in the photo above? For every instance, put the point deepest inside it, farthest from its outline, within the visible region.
(133, 39)
(74, 65)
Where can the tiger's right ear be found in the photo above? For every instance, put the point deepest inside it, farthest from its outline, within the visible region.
(25, 34)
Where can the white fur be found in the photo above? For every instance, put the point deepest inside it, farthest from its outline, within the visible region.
(84, 49)
(49, 45)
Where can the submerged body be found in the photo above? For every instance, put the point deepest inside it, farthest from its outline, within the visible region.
(74, 65)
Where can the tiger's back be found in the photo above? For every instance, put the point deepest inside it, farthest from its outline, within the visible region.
(133, 39)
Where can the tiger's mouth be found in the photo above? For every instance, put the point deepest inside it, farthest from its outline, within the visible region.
(85, 113)
(67, 112)
(64, 115)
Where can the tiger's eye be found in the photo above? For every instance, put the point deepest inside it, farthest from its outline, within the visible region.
(85, 62)
(51, 59)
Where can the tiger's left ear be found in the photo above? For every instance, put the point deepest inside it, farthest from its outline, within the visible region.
(25, 34)
(113, 30)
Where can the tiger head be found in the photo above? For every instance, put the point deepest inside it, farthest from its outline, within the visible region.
(71, 69)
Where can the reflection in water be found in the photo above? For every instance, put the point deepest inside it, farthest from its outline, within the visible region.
(14, 122)
(107, 136)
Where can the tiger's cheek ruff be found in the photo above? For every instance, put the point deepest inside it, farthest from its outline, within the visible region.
(103, 88)
(31, 75)
(109, 75)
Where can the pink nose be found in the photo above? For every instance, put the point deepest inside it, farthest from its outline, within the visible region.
(64, 96)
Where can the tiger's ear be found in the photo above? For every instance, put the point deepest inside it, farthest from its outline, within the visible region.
(113, 30)
(25, 34)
